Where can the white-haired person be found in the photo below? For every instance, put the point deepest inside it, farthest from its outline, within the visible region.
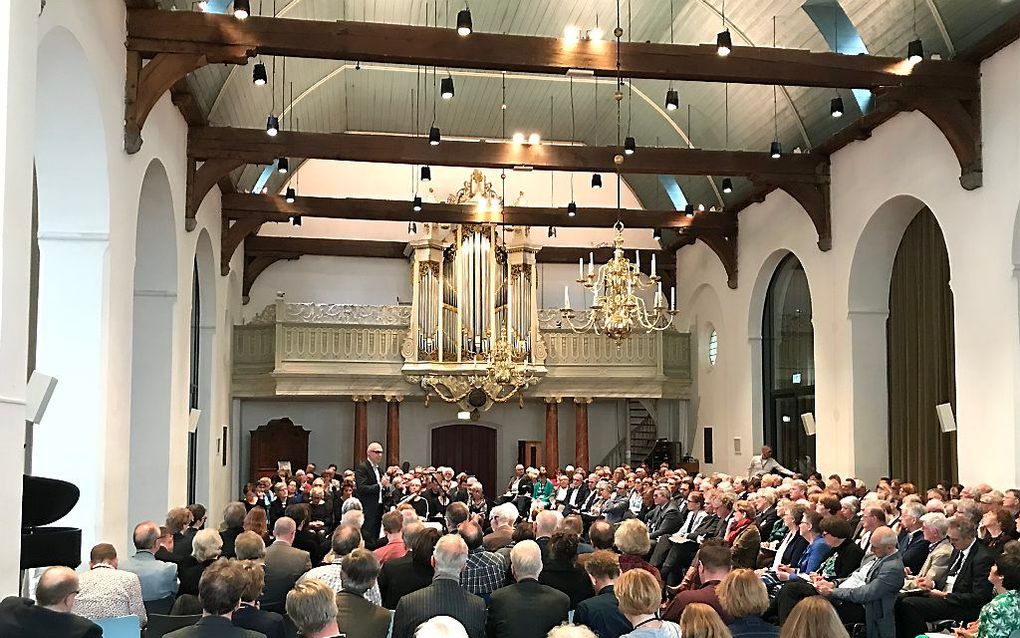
(567, 630)
(205, 550)
(526, 608)
(441, 627)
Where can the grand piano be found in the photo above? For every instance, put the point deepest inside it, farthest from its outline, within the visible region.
(44, 501)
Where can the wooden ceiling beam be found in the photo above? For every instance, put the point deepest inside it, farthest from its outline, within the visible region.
(151, 33)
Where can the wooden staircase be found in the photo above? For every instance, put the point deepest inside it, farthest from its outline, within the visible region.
(643, 431)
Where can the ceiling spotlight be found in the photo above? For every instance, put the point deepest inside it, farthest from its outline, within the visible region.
(446, 87)
(203, 6)
(672, 100)
(776, 150)
(836, 106)
(571, 33)
(282, 166)
(596, 181)
(629, 145)
(241, 9)
(426, 174)
(296, 220)
(727, 185)
(464, 22)
(596, 34)
(656, 234)
(723, 43)
(915, 51)
(291, 195)
(434, 136)
(571, 209)
(534, 139)
(272, 125)
(258, 74)
(552, 231)
(416, 205)
(518, 138)
(689, 210)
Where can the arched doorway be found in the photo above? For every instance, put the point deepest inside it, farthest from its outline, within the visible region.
(921, 355)
(467, 448)
(788, 365)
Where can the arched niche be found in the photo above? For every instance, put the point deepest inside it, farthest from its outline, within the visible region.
(153, 306)
(73, 201)
(203, 331)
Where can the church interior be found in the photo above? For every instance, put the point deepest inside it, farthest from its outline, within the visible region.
(242, 236)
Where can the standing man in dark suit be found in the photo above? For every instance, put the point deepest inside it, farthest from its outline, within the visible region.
(371, 482)
(527, 608)
(220, 591)
(444, 597)
(967, 588)
(50, 615)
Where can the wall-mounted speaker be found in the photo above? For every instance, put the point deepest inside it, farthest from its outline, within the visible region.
(193, 418)
(808, 420)
(37, 396)
(946, 419)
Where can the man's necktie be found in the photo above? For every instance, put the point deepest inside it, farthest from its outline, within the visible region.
(957, 564)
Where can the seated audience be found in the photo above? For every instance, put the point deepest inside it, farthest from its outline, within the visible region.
(713, 564)
(913, 547)
(844, 558)
(567, 630)
(356, 616)
(812, 618)
(257, 521)
(158, 579)
(249, 546)
(561, 571)
(639, 594)
(573, 524)
(546, 523)
(501, 519)
(701, 621)
(1001, 616)
(205, 550)
(444, 596)
(526, 608)
(602, 611)
(414, 570)
(49, 615)
(998, 527)
(485, 571)
(107, 592)
(345, 539)
(392, 525)
(219, 591)
(631, 538)
(441, 627)
(233, 525)
(284, 564)
(311, 605)
(304, 538)
(743, 537)
(248, 615)
(933, 571)
(179, 521)
(744, 598)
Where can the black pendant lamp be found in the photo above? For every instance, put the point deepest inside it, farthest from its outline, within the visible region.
(426, 174)
(272, 125)
(434, 136)
(689, 210)
(776, 149)
(727, 185)
(296, 220)
(416, 204)
(282, 166)
(242, 8)
(446, 88)
(259, 77)
(915, 51)
(629, 145)
(571, 209)
(836, 107)
(723, 43)
(464, 22)
(291, 195)
(596, 181)
(656, 234)
(672, 100)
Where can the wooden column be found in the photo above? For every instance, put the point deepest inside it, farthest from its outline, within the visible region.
(551, 453)
(581, 431)
(393, 430)
(360, 428)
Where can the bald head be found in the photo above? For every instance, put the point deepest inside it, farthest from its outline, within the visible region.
(375, 452)
(450, 556)
(284, 529)
(57, 588)
(526, 560)
(883, 541)
(145, 536)
(546, 523)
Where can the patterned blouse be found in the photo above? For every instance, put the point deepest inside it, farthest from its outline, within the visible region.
(1001, 616)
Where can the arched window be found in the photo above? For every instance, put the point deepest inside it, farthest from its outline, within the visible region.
(713, 345)
(196, 320)
(788, 373)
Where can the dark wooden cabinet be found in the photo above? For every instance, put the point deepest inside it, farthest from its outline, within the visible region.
(278, 440)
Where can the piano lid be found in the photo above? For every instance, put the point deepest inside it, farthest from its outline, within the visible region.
(46, 500)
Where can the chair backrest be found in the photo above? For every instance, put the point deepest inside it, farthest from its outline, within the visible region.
(120, 627)
(160, 625)
(161, 606)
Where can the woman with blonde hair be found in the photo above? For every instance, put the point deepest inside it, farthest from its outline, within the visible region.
(700, 621)
(639, 595)
(744, 598)
(632, 539)
(813, 617)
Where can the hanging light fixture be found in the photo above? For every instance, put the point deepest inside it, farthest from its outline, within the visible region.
(552, 231)
(915, 51)
(723, 40)
(296, 220)
(259, 77)
(291, 195)
(426, 174)
(656, 234)
(629, 146)
(446, 87)
(727, 185)
(412, 228)
(672, 100)
(836, 106)
(571, 209)
(272, 125)
(434, 136)
(689, 210)
(282, 166)
(203, 5)
(416, 204)
(596, 181)
(464, 27)
(776, 150)
(242, 8)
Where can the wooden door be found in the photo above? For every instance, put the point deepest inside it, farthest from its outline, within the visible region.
(468, 448)
(278, 440)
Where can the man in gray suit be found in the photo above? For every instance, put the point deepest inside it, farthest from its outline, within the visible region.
(871, 591)
(444, 597)
(527, 608)
(220, 590)
(158, 578)
(357, 616)
(284, 564)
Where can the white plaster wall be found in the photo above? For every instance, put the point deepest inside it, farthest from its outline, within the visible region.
(907, 156)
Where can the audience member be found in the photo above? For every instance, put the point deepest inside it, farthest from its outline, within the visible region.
(743, 537)
(485, 571)
(284, 564)
(744, 598)
(526, 608)
(248, 615)
(107, 592)
(392, 525)
(502, 519)
(444, 597)
(639, 594)
(812, 618)
(602, 611)
(50, 614)
(258, 521)
(912, 546)
(561, 571)
(413, 571)
(441, 627)
(219, 591)
(250, 546)
(1001, 616)
(632, 540)
(205, 550)
(933, 572)
(233, 525)
(357, 617)
(701, 621)
(567, 630)
(311, 605)
(713, 564)
(158, 579)
(345, 539)
(179, 521)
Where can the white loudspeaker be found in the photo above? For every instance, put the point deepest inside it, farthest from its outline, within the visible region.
(193, 418)
(946, 419)
(808, 419)
(736, 445)
(37, 396)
